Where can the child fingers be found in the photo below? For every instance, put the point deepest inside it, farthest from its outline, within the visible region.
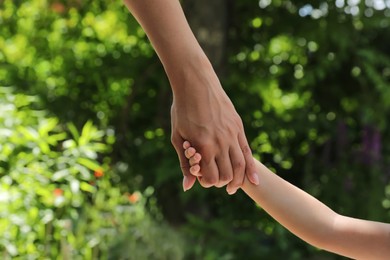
(195, 170)
(195, 159)
(189, 152)
(186, 145)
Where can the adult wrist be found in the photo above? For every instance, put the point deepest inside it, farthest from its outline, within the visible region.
(191, 74)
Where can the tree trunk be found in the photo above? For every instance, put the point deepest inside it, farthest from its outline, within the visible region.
(209, 22)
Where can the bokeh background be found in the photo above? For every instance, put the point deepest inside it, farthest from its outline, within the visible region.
(87, 170)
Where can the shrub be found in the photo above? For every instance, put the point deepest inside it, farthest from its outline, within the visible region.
(57, 199)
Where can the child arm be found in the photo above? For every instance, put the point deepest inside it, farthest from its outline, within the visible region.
(308, 218)
(316, 223)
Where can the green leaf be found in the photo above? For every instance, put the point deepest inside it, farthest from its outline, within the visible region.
(60, 175)
(86, 133)
(73, 130)
(87, 187)
(92, 165)
(55, 138)
(44, 147)
(69, 144)
(83, 171)
(46, 126)
(28, 132)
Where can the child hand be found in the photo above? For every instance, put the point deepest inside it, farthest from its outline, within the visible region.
(194, 159)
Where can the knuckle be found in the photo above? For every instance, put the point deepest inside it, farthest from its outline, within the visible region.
(204, 145)
(246, 149)
(226, 178)
(220, 184)
(222, 137)
(238, 166)
(210, 180)
(233, 186)
(207, 158)
(204, 183)
(250, 163)
(238, 121)
(237, 182)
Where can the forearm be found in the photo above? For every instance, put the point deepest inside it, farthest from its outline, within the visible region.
(315, 223)
(360, 239)
(290, 206)
(168, 30)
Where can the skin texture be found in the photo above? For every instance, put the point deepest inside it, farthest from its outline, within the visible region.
(309, 218)
(201, 111)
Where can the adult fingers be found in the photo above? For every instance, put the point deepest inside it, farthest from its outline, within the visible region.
(189, 179)
(225, 169)
(209, 171)
(250, 168)
(188, 182)
(238, 165)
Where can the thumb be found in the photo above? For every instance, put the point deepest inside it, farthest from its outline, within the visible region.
(188, 182)
(189, 179)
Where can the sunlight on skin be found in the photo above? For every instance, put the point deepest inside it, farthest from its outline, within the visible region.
(350, 237)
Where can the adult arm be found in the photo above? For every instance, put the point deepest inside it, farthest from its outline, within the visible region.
(201, 111)
(315, 223)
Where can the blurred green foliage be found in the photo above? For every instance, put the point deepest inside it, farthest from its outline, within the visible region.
(310, 79)
(58, 199)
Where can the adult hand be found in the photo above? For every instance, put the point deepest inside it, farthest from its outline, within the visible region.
(201, 111)
(204, 115)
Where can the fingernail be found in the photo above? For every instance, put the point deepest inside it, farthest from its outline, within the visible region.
(231, 192)
(256, 179)
(185, 183)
